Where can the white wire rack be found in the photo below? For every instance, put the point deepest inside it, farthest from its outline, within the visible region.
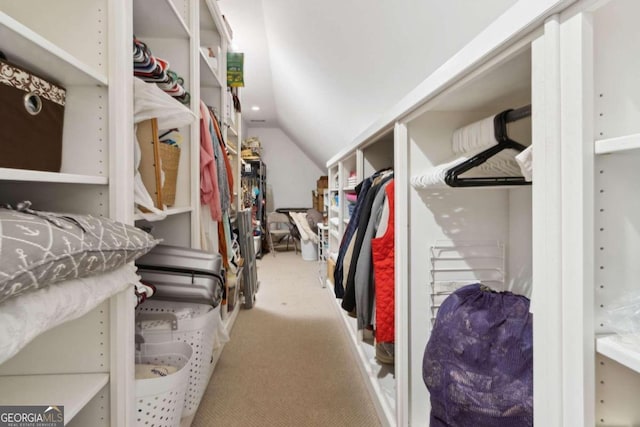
(455, 264)
(323, 250)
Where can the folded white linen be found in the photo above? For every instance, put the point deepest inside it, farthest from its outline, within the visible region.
(28, 315)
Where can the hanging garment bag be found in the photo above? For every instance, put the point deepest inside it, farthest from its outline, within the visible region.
(478, 363)
(183, 274)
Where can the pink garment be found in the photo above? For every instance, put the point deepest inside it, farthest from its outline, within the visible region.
(209, 190)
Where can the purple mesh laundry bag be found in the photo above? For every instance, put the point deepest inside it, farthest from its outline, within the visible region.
(478, 363)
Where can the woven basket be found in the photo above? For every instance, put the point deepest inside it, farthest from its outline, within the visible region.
(169, 158)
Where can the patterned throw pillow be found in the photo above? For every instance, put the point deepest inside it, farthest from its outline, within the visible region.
(41, 248)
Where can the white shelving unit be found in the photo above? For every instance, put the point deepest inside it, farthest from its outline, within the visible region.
(45, 390)
(614, 145)
(323, 247)
(512, 63)
(87, 364)
(360, 163)
(626, 353)
(602, 132)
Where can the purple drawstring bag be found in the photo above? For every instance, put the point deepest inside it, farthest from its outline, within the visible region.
(478, 363)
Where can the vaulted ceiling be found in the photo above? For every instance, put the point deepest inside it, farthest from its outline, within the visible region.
(323, 71)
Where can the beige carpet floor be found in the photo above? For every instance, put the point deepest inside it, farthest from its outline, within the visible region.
(288, 362)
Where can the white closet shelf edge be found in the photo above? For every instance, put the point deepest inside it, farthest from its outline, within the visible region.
(621, 143)
(169, 212)
(73, 391)
(166, 23)
(208, 76)
(7, 174)
(383, 399)
(613, 347)
(28, 49)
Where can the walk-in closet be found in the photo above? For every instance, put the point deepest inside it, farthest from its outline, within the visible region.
(251, 212)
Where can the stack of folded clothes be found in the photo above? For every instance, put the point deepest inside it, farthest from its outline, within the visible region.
(155, 70)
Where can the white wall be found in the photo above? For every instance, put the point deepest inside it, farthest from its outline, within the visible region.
(291, 175)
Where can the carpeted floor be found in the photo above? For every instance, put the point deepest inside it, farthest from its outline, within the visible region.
(288, 362)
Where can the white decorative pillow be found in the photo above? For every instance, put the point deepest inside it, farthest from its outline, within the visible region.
(41, 248)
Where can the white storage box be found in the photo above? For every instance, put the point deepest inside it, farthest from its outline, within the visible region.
(309, 250)
(160, 401)
(195, 324)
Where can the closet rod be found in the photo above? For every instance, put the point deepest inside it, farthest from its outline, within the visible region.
(517, 114)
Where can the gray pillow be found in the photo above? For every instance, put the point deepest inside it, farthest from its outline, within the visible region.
(41, 248)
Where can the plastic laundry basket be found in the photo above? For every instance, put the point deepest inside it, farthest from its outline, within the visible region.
(195, 324)
(160, 401)
(309, 250)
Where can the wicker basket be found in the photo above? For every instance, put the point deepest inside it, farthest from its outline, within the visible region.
(169, 159)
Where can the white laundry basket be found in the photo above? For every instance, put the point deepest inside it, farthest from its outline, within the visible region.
(160, 401)
(309, 250)
(195, 324)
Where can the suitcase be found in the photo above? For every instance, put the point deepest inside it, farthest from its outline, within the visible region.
(183, 274)
(32, 113)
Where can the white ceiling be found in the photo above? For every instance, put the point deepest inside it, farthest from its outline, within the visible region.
(323, 71)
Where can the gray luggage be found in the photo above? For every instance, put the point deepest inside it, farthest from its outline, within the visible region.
(183, 274)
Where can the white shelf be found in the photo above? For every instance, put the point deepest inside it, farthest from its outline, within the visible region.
(335, 209)
(612, 347)
(335, 234)
(208, 76)
(215, 18)
(346, 220)
(159, 19)
(73, 391)
(380, 378)
(621, 143)
(7, 174)
(169, 212)
(233, 130)
(334, 256)
(322, 226)
(30, 50)
(349, 188)
(334, 221)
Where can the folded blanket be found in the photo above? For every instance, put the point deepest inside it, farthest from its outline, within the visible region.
(28, 315)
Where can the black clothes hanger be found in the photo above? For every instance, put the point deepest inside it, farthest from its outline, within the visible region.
(500, 121)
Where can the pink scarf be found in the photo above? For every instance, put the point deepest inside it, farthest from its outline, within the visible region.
(209, 190)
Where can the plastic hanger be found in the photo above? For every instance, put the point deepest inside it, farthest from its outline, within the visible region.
(453, 179)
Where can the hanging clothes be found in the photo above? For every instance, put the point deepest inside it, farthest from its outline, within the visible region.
(363, 279)
(209, 191)
(383, 249)
(222, 244)
(225, 156)
(349, 298)
(223, 185)
(361, 191)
